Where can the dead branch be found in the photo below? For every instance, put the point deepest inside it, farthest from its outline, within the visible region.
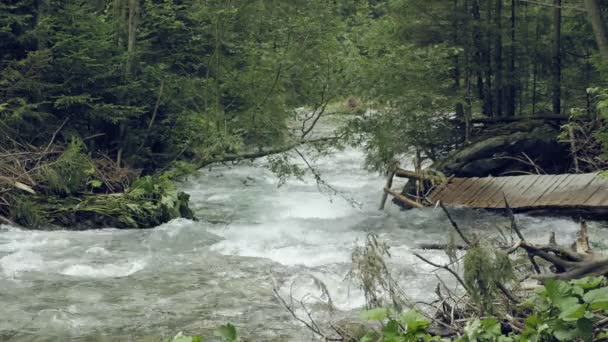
(312, 325)
(518, 232)
(445, 267)
(454, 225)
(65, 121)
(399, 197)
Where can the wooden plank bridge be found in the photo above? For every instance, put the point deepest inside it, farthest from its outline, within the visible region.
(587, 192)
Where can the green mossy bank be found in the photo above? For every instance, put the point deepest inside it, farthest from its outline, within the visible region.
(69, 189)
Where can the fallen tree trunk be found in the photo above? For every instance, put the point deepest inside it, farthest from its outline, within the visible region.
(424, 176)
(399, 197)
(259, 154)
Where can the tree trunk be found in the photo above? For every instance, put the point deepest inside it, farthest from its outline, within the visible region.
(477, 43)
(489, 98)
(456, 41)
(599, 26)
(499, 84)
(131, 32)
(535, 68)
(557, 57)
(512, 90)
(468, 72)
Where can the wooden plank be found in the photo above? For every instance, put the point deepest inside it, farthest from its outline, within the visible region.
(488, 195)
(532, 193)
(466, 194)
(495, 195)
(554, 197)
(581, 190)
(519, 200)
(600, 197)
(527, 192)
(484, 184)
(439, 189)
(556, 180)
(509, 190)
(453, 191)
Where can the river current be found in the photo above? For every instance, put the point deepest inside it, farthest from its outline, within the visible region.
(251, 236)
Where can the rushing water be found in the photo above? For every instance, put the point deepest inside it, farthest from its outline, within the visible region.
(252, 236)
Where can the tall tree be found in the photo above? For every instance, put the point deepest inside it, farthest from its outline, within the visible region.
(512, 79)
(557, 57)
(599, 26)
(498, 58)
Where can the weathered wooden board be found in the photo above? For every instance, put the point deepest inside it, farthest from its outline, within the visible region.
(526, 192)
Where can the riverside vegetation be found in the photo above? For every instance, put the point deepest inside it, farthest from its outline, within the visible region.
(103, 103)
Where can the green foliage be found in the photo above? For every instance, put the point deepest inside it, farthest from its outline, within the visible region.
(404, 86)
(566, 310)
(370, 272)
(226, 333)
(184, 80)
(484, 268)
(149, 202)
(560, 311)
(410, 326)
(71, 172)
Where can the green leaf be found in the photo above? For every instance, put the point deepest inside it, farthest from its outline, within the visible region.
(598, 298)
(377, 314)
(491, 327)
(573, 312)
(560, 294)
(391, 331)
(565, 334)
(414, 321)
(228, 332)
(94, 183)
(588, 282)
(584, 328)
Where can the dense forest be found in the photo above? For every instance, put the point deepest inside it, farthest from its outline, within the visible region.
(103, 103)
(140, 87)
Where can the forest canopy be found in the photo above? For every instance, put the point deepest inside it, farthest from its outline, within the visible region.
(145, 85)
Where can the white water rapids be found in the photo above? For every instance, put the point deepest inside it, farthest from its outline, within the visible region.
(193, 276)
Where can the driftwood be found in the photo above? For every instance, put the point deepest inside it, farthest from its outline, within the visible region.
(389, 184)
(399, 197)
(567, 262)
(574, 262)
(424, 176)
(562, 262)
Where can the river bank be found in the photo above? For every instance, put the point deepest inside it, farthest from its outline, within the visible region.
(66, 186)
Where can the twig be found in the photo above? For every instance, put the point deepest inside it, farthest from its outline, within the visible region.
(52, 140)
(445, 267)
(313, 327)
(507, 293)
(518, 232)
(153, 118)
(454, 225)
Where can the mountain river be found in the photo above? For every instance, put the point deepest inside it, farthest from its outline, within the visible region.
(251, 236)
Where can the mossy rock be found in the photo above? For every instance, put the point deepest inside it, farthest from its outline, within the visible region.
(497, 152)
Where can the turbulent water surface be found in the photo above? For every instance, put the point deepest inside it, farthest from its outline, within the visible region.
(252, 236)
